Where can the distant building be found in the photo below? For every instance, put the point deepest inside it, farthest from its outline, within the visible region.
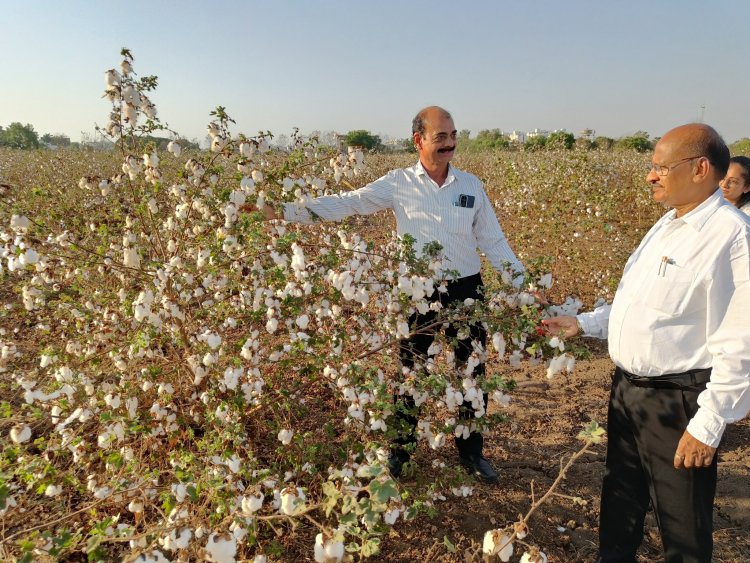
(517, 136)
(537, 133)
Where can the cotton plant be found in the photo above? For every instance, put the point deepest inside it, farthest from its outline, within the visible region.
(175, 345)
(500, 543)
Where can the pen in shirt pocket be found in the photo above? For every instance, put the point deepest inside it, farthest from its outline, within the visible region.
(665, 261)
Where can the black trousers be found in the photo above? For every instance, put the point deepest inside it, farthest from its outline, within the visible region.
(414, 350)
(644, 426)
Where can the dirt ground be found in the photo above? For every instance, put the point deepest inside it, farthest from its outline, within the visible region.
(545, 419)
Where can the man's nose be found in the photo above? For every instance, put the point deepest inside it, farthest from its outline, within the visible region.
(652, 177)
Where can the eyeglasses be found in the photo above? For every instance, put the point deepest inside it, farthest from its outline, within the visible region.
(663, 169)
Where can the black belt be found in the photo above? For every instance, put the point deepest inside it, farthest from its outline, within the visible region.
(692, 378)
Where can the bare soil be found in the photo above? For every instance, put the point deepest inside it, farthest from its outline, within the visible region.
(545, 417)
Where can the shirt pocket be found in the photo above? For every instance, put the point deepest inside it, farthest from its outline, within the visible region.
(459, 220)
(670, 290)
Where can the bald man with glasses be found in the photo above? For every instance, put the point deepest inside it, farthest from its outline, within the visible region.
(679, 337)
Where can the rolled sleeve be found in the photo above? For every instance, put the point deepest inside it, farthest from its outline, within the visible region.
(726, 398)
(596, 323)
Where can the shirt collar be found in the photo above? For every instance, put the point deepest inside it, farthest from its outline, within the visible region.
(420, 171)
(697, 217)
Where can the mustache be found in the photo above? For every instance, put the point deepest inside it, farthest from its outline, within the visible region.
(447, 149)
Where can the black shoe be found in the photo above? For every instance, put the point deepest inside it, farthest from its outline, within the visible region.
(396, 462)
(480, 468)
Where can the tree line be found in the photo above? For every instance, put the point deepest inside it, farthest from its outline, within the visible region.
(20, 136)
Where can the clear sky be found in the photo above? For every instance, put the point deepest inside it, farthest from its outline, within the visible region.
(613, 66)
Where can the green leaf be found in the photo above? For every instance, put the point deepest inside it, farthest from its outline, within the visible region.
(370, 547)
(348, 505)
(169, 503)
(192, 492)
(352, 547)
(332, 496)
(93, 542)
(4, 494)
(382, 491)
(448, 545)
(61, 542)
(592, 433)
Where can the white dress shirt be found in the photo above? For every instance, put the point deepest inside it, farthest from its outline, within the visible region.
(427, 212)
(683, 304)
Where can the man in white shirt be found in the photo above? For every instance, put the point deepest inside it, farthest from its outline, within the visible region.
(432, 201)
(679, 337)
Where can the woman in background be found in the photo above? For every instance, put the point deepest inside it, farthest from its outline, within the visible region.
(736, 184)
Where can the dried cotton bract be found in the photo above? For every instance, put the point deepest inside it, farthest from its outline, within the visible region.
(534, 556)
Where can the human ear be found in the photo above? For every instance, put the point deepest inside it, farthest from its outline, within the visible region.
(702, 169)
(417, 138)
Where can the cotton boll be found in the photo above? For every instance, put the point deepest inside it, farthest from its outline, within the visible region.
(402, 330)
(174, 148)
(45, 360)
(328, 550)
(151, 160)
(390, 516)
(29, 257)
(560, 363)
(515, 359)
(125, 67)
(545, 281)
(319, 550)
(52, 490)
(218, 143)
(111, 79)
(177, 539)
(102, 493)
(135, 506)
(130, 116)
(247, 149)
(232, 377)
(131, 258)
(213, 340)
(251, 504)
(497, 543)
(19, 223)
(221, 550)
(20, 433)
(436, 441)
(285, 436)
(501, 398)
(498, 343)
(302, 321)
(292, 501)
(522, 530)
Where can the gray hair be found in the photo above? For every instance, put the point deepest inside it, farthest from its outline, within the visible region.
(418, 123)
